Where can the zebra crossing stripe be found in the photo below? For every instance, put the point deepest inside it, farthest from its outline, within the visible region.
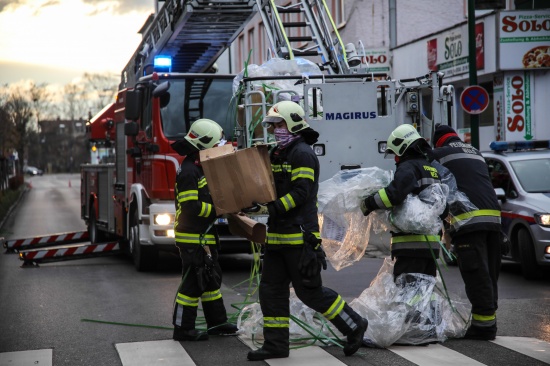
(308, 356)
(42, 357)
(433, 355)
(166, 353)
(531, 347)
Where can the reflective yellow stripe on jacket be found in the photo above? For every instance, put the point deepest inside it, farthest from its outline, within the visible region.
(190, 238)
(415, 241)
(476, 216)
(288, 239)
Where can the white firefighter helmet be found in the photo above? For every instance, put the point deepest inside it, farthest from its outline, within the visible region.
(290, 112)
(204, 134)
(401, 139)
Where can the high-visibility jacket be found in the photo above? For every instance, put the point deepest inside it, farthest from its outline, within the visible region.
(194, 209)
(472, 178)
(413, 174)
(296, 175)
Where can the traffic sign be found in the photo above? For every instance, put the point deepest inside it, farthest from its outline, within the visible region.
(474, 99)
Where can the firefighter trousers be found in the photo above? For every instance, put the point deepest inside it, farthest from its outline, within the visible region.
(479, 257)
(189, 292)
(280, 268)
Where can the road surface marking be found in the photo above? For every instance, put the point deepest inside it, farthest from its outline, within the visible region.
(433, 355)
(42, 357)
(531, 347)
(166, 353)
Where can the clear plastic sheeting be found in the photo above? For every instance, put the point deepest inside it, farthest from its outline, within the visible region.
(250, 322)
(344, 229)
(412, 310)
(457, 200)
(279, 67)
(420, 214)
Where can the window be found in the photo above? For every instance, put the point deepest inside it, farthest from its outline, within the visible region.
(251, 47)
(337, 12)
(500, 177)
(531, 4)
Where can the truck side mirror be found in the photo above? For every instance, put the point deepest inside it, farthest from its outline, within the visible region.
(132, 107)
(131, 128)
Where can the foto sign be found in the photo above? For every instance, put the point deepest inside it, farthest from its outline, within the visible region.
(474, 99)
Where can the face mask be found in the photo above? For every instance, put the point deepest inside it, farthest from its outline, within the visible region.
(284, 137)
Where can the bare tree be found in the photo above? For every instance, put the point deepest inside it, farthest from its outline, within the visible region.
(7, 132)
(20, 110)
(101, 89)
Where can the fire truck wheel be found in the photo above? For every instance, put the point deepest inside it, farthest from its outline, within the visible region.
(94, 234)
(143, 256)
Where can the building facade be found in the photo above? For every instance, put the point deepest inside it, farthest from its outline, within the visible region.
(410, 38)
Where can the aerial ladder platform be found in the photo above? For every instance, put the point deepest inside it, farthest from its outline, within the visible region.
(193, 33)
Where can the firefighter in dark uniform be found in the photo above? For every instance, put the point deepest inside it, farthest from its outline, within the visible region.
(476, 235)
(413, 253)
(293, 252)
(197, 240)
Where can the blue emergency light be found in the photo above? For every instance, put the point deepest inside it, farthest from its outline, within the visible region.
(519, 145)
(162, 63)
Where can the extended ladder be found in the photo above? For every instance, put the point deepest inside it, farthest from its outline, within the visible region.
(311, 22)
(193, 32)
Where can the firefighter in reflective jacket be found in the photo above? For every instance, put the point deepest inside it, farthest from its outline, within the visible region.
(476, 235)
(293, 252)
(197, 240)
(414, 253)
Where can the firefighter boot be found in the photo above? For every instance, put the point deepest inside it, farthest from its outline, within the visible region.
(190, 335)
(261, 354)
(481, 333)
(224, 328)
(355, 338)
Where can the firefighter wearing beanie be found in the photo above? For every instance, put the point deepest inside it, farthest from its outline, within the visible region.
(476, 235)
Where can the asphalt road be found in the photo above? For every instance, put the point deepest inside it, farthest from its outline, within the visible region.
(84, 310)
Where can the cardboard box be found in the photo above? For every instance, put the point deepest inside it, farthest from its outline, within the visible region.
(236, 179)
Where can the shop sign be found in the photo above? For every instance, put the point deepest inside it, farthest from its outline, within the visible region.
(378, 60)
(524, 39)
(498, 106)
(517, 108)
(449, 51)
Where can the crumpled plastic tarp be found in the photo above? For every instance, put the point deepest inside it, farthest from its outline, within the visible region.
(345, 230)
(412, 310)
(279, 67)
(457, 200)
(250, 321)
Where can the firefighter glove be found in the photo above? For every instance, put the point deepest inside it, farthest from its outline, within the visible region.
(256, 208)
(313, 257)
(367, 205)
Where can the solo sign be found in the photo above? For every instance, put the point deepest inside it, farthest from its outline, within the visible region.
(517, 109)
(524, 39)
(449, 51)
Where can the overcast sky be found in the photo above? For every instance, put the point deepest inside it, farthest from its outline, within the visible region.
(54, 41)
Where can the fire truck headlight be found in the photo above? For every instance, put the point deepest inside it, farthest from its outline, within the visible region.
(164, 219)
(382, 147)
(543, 219)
